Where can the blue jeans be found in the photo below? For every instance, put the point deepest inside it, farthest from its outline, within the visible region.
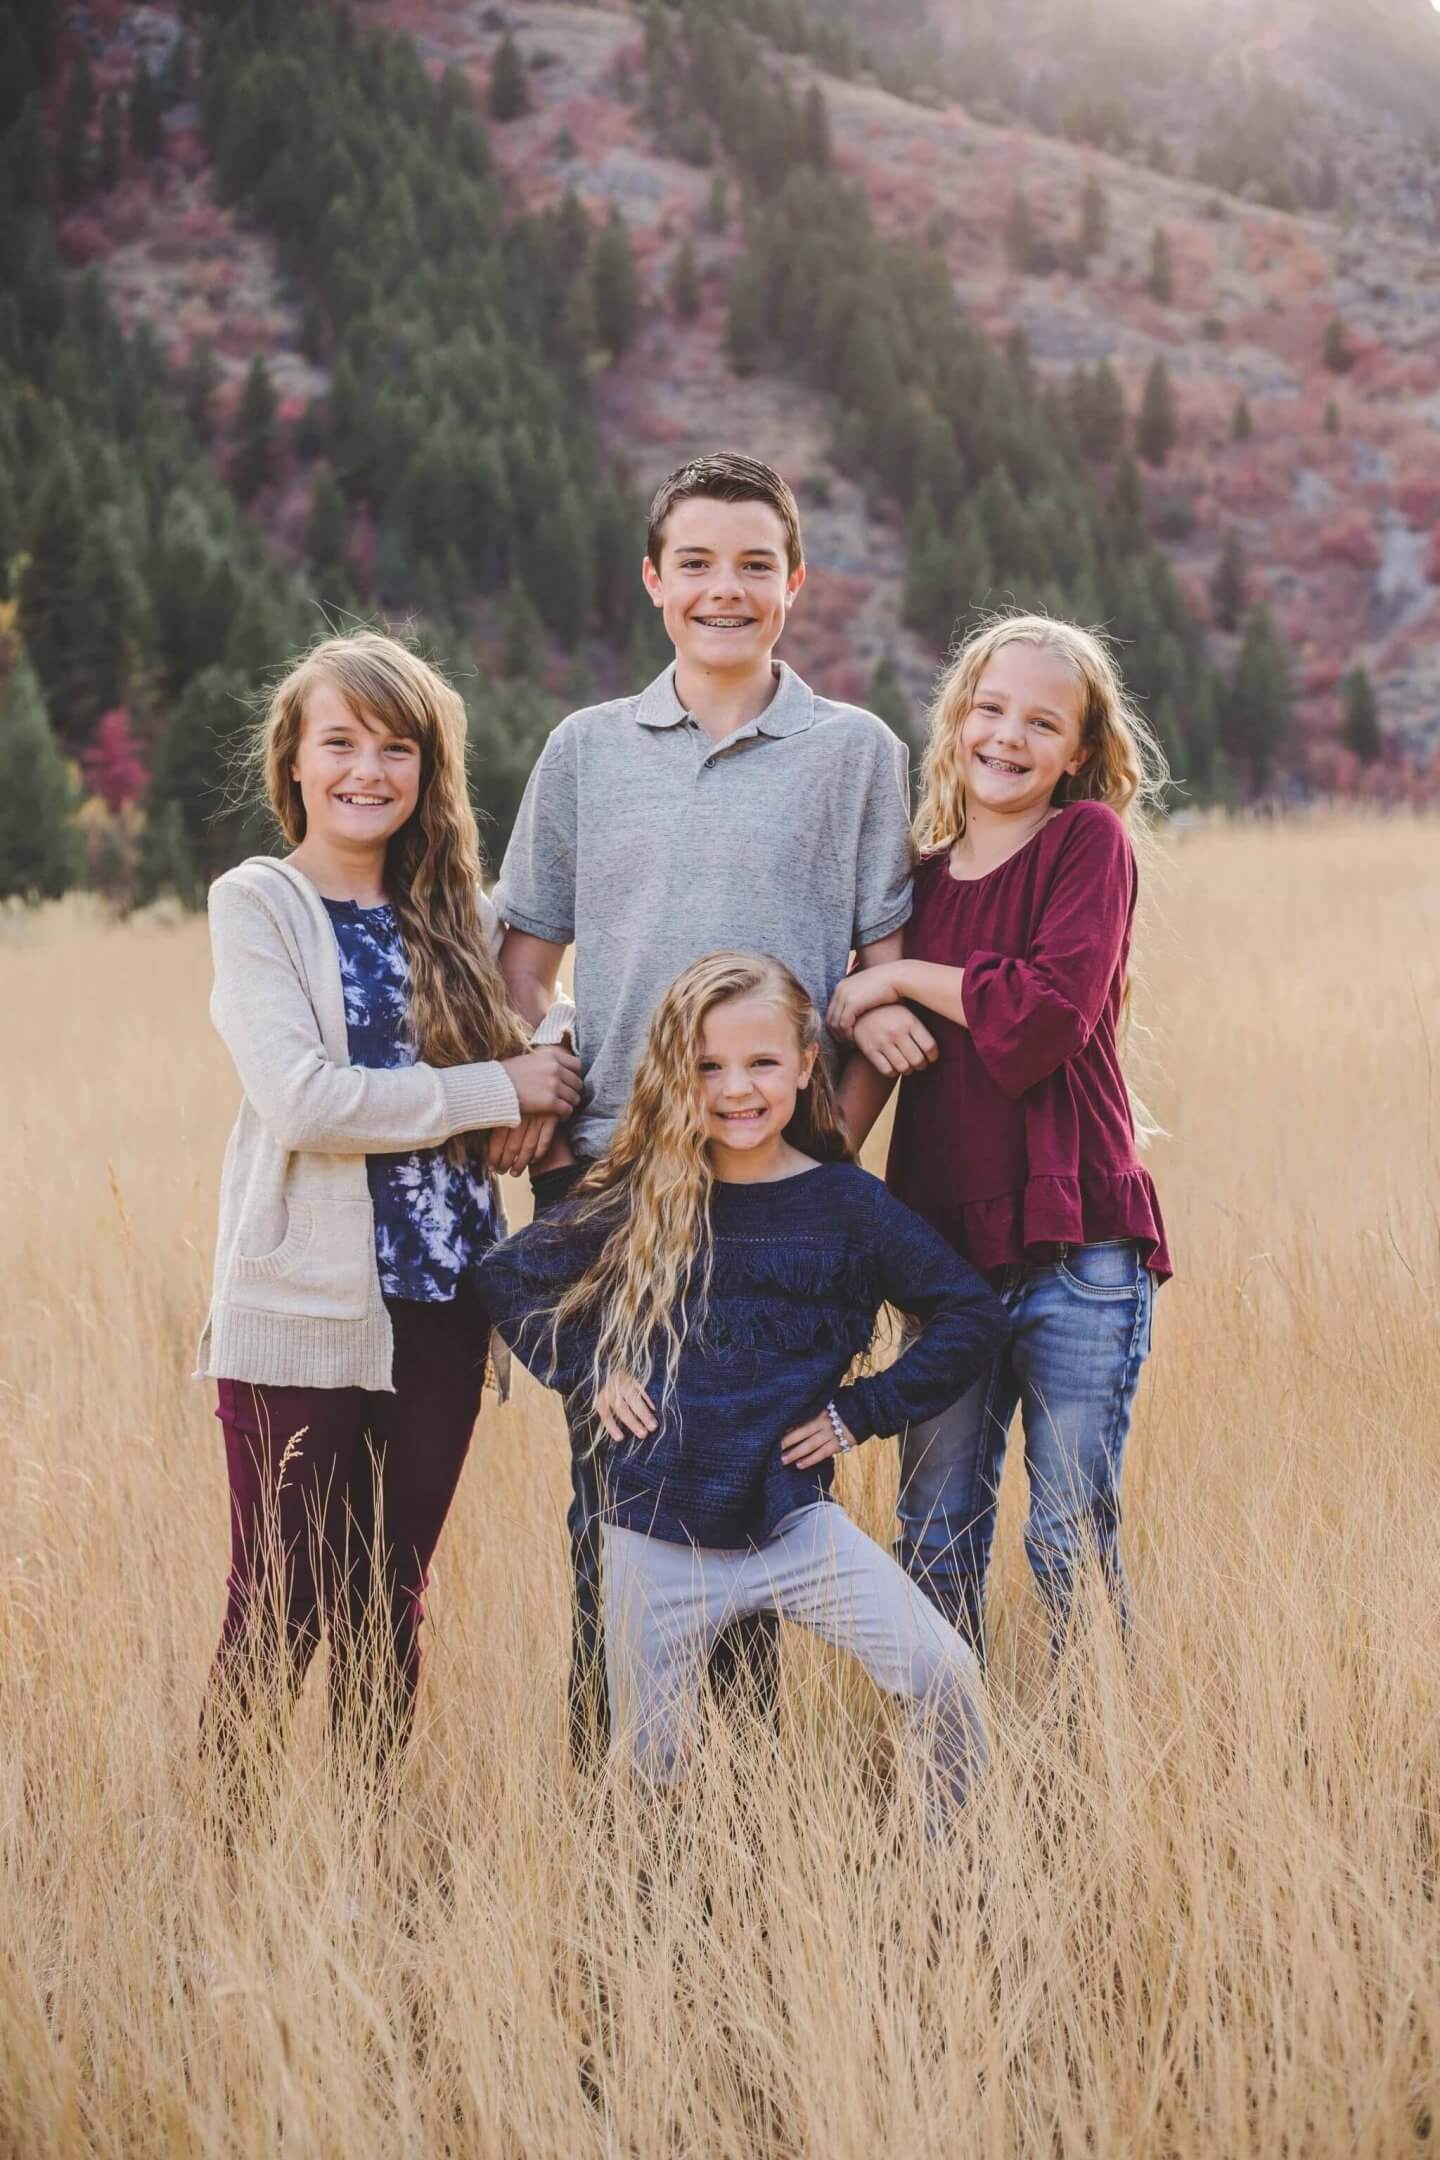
(1081, 1334)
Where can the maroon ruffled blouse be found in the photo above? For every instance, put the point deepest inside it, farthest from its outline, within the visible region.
(1020, 1137)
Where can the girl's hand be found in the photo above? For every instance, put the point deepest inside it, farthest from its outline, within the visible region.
(624, 1408)
(859, 992)
(895, 1040)
(514, 1148)
(546, 1081)
(814, 1442)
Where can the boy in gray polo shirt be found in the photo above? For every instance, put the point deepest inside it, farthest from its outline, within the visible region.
(727, 806)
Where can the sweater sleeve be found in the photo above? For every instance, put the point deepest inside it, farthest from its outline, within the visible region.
(1027, 1016)
(963, 1323)
(520, 1283)
(307, 1101)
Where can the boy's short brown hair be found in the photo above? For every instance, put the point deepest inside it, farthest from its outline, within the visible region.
(726, 476)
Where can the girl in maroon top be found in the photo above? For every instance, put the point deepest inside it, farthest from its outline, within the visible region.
(1014, 1133)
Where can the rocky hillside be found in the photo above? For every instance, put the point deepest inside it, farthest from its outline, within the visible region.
(1240, 203)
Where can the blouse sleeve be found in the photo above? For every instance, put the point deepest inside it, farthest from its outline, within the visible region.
(962, 1325)
(305, 1100)
(522, 1281)
(1028, 1015)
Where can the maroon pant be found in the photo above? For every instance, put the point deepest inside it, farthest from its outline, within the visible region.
(311, 1472)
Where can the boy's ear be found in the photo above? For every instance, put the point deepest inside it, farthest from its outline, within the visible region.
(794, 582)
(650, 577)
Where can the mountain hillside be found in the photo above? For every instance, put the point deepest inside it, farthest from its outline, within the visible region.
(1135, 321)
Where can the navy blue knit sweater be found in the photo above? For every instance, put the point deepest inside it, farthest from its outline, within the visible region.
(802, 1268)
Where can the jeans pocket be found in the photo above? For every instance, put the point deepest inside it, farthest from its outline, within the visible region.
(1103, 1272)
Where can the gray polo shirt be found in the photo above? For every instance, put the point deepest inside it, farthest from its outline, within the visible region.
(649, 844)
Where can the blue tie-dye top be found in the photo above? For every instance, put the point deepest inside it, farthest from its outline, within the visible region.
(433, 1217)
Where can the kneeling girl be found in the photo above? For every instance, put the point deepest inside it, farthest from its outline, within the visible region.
(705, 1292)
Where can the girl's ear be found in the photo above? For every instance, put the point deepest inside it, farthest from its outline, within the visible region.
(807, 1066)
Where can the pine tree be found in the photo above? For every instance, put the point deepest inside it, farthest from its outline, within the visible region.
(39, 851)
(886, 696)
(685, 296)
(1258, 720)
(1020, 235)
(200, 381)
(1338, 356)
(717, 207)
(327, 531)
(819, 151)
(509, 84)
(1360, 725)
(1332, 417)
(147, 115)
(523, 651)
(1109, 420)
(1160, 282)
(256, 433)
(72, 156)
(745, 320)
(616, 289)
(1228, 586)
(112, 144)
(1094, 217)
(47, 582)
(109, 619)
(1156, 426)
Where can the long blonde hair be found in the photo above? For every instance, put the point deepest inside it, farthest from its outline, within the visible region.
(651, 1188)
(1124, 767)
(459, 1011)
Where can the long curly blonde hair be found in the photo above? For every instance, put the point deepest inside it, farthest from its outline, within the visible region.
(650, 1190)
(459, 1011)
(1124, 767)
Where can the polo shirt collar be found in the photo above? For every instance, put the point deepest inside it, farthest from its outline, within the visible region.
(790, 711)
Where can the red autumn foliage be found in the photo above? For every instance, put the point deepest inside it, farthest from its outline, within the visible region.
(83, 240)
(1350, 538)
(112, 764)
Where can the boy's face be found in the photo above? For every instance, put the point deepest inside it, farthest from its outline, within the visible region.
(723, 582)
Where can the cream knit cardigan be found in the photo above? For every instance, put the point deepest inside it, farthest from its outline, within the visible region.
(297, 1299)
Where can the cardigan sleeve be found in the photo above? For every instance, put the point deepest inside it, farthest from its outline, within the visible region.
(962, 1325)
(306, 1101)
(521, 1281)
(1028, 1015)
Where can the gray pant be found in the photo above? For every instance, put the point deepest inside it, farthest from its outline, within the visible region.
(665, 1604)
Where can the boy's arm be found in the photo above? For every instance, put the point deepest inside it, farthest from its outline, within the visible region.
(893, 1038)
(863, 1093)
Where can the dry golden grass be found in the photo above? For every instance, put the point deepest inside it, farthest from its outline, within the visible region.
(1209, 1921)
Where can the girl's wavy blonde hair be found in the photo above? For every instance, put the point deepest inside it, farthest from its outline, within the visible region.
(650, 1283)
(1125, 765)
(459, 1011)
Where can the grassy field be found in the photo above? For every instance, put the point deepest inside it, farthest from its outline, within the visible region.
(1194, 1909)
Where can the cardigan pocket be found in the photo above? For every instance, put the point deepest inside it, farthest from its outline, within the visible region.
(322, 1269)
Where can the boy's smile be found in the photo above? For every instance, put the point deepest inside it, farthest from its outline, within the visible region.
(723, 583)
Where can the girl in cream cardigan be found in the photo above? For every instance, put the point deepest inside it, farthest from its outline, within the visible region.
(356, 990)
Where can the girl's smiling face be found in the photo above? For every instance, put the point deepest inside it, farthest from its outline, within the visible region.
(1023, 732)
(359, 782)
(751, 1068)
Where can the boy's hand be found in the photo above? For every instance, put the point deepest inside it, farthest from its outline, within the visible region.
(815, 1442)
(859, 992)
(623, 1407)
(895, 1041)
